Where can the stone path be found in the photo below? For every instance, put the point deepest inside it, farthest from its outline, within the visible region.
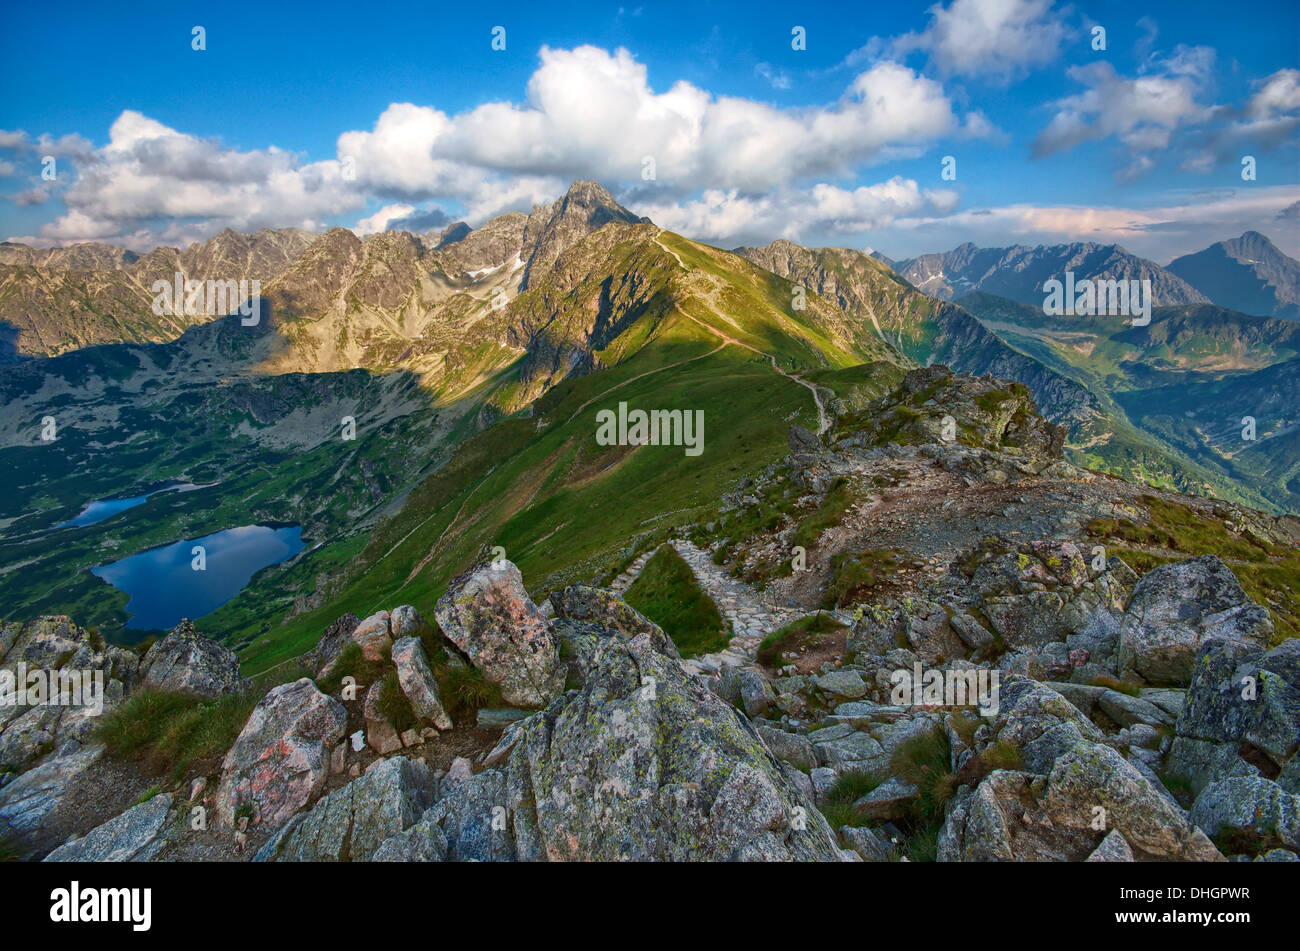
(751, 617)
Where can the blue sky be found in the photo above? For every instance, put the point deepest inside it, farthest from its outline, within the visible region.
(402, 115)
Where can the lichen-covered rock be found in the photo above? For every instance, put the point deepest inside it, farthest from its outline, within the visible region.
(1244, 695)
(71, 678)
(487, 614)
(472, 813)
(133, 835)
(1251, 807)
(372, 635)
(418, 683)
(1113, 848)
(405, 621)
(337, 636)
(280, 761)
(354, 821)
(1175, 608)
(423, 842)
(605, 609)
(187, 661)
(1091, 777)
(646, 763)
(381, 735)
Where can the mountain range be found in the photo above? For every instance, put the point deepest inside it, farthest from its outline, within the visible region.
(467, 356)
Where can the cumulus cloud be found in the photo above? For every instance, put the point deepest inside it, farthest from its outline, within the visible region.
(149, 172)
(590, 112)
(1142, 112)
(587, 112)
(730, 217)
(999, 40)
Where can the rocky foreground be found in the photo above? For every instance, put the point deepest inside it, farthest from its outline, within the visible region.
(1136, 717)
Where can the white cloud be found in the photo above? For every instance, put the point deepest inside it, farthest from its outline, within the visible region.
(1142, 112)
(381, 219)
(730, 217)
(587, 113)
(999, 40)
(1188, 221)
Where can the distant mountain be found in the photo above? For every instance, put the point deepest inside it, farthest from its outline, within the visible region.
(59, 299)
(1018, 272)
(1248, 274)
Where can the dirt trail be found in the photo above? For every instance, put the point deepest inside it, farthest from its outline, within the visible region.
(823, 419)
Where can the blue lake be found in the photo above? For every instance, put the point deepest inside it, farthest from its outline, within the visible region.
(164, 586)
(101, 509)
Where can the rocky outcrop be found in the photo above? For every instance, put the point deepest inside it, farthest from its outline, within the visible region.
(608, 612)
(488, 615)
(56, 681)
(1070, 791)
(646, 763)
(187, 661)
(1242, 713)
(281, 759)
(133, 836)
(1177, 607)
(337, 636)
(353, 822)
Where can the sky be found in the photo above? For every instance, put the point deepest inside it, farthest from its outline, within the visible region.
(904, 128)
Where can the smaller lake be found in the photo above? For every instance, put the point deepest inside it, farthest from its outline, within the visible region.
(164, 587)
(101, 509)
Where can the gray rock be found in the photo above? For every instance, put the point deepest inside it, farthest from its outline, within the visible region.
(495, 718)
(1201, 762)
(789, 747)
(280, 761)
(417, 681)
(26, 800)
(1113, 848)
(644, 762)
(1177, 607)
(423, 842)
(868, 843)
(122, 838)
(606, 610)
(972, 632)
(890, 800)
(337, 636)
(854, 748)
(405, 621)
(186, 661)
(1126, 710)
(1251, 806)
(472, 814)
(843, 683)
(351, 823)
(487, 614)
